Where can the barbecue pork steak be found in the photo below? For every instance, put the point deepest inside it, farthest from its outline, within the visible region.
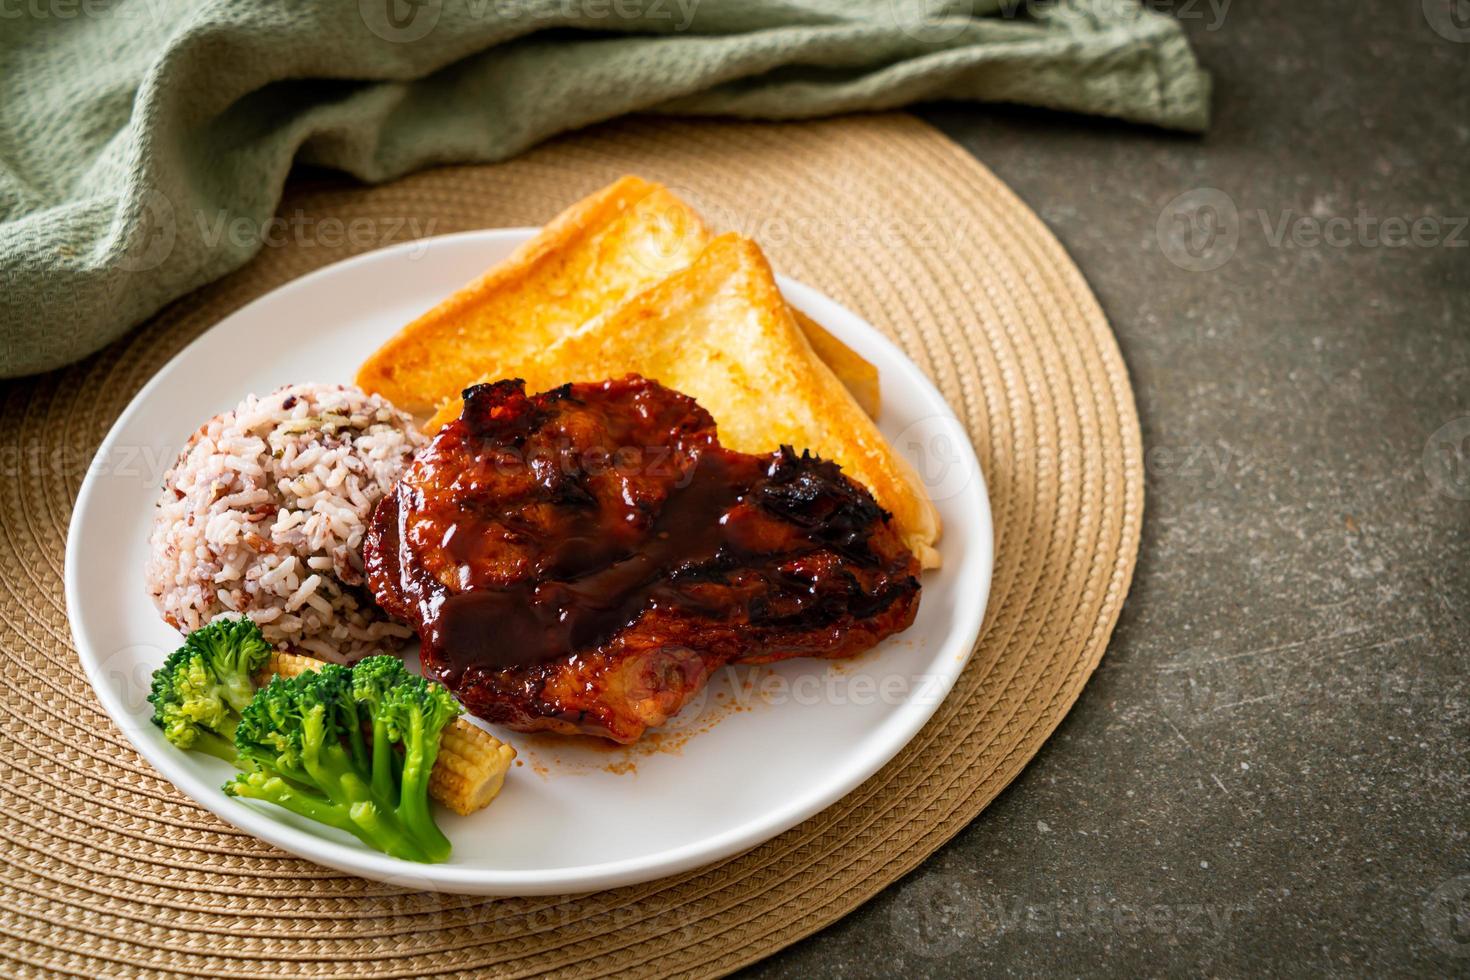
(582, 560)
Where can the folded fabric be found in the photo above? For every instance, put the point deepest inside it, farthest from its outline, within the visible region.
(132, 131)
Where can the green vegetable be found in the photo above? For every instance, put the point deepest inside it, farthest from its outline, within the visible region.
(351, 749)
(202, 688)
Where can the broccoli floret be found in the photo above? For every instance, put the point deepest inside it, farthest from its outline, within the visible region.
(296, 736)
(235, 650)
(372, 680)
(418, 712)
(204, 685)
(304, 738)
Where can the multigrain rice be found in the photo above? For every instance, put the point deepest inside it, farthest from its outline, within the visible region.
(264, 514)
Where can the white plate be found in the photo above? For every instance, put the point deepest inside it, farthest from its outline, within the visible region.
(574, 817)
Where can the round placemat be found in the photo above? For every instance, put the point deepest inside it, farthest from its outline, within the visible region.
(108, 871)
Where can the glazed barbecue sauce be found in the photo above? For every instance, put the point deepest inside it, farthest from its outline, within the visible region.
(688, 513)
(581, 560)
(603, 561)
(589, 585)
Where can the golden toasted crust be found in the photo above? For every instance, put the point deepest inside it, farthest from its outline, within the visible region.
(592, 256)
(588, 259)
(720, 331)
(856, 374)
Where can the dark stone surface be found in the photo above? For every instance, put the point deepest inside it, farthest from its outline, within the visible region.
(1268, 773)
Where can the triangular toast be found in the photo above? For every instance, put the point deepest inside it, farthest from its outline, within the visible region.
(600, 251)
(588, 259)
(720, 332)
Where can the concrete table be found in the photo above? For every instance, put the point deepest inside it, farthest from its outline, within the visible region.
(1270, 772)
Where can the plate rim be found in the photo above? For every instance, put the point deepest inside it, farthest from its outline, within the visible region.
(357, 860)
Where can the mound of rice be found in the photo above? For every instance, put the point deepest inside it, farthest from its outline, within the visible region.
(264, 514)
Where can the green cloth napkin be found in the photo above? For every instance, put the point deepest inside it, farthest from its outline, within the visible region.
(132, 130)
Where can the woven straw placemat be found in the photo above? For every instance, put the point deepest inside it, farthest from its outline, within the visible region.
(106, 870)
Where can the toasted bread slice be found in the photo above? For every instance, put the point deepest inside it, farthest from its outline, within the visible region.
(721, 332)
(856, 374)
(588, 259)
(591, 257)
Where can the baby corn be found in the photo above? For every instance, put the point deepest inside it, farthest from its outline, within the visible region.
(471, 765)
